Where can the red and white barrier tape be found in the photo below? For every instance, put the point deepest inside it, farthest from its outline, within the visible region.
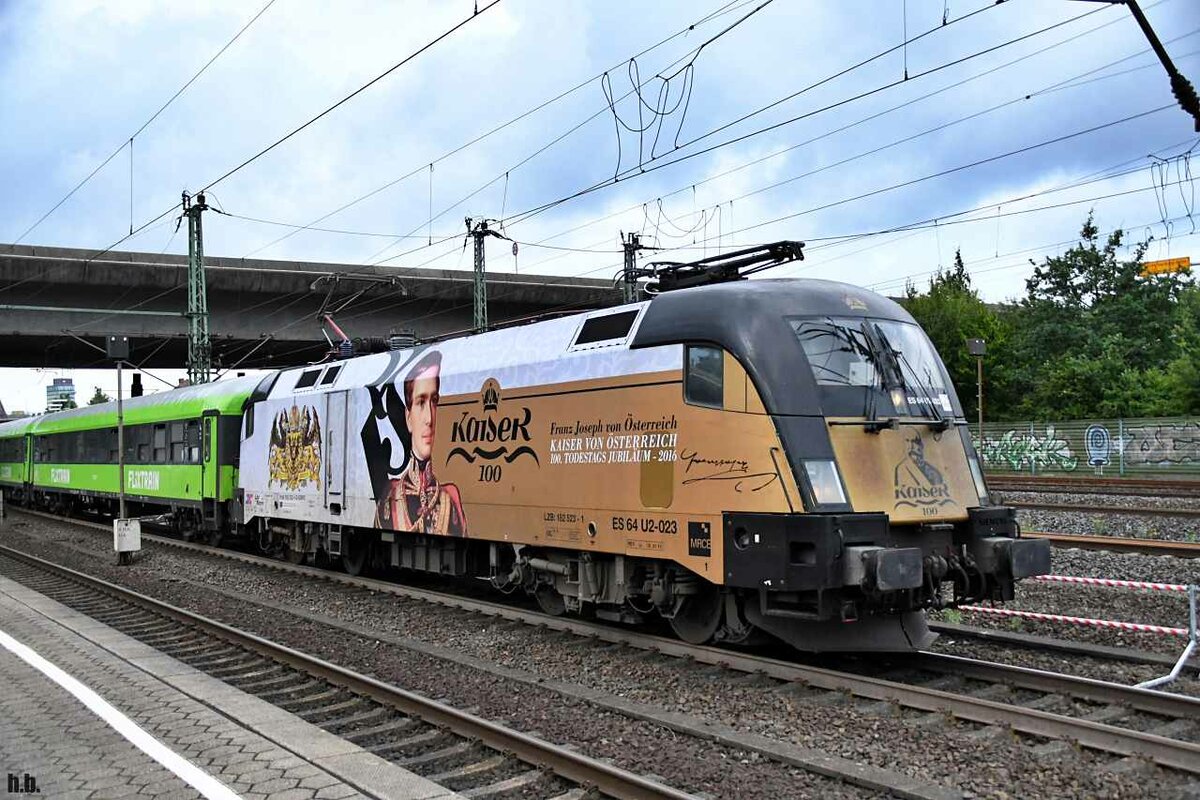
(1099, 623)
(1113, 583)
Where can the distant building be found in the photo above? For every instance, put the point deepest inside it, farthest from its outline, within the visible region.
(60, 394)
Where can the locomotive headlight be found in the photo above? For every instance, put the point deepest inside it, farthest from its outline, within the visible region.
(826, 482)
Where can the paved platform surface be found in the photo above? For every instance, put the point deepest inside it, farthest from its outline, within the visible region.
(251, 747)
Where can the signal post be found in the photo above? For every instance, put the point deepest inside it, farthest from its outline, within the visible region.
(127, 533)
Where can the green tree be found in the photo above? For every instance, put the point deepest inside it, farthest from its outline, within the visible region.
(1096, 338)
(1182, 373)
(951, 312)
(98, 397)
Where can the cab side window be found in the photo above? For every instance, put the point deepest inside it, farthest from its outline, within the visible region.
(704, 376)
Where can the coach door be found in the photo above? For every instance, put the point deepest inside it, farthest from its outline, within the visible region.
(210, 459)
(336, 423)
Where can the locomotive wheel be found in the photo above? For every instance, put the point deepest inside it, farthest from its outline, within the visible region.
(550, 601)
(215, 536)
(699, 616)
(356, 554)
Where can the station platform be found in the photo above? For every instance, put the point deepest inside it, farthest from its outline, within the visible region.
(88, 712)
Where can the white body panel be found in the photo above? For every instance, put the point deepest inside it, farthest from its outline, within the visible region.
(355, 410)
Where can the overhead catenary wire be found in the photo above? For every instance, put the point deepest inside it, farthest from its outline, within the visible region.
(610, 266)
(428, 45)
(1086, 180)
(659, 110)
(423, 48)
(643, 170)
(841, 129)
(723, 9)
(545, 147)
(959, 168)
(738, 230)
(949, 218)
(392, 234)
(1053, 87)
(513, 220)
(935, 175)
(128, 142)
(652, 166)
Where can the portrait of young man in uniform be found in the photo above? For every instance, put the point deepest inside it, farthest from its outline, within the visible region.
(416, 500)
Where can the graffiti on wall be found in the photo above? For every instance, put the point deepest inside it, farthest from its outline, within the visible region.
(1101, 446)
(1164, 445)
(1027, 450)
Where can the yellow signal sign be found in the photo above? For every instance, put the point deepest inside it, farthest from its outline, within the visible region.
(1166, 266)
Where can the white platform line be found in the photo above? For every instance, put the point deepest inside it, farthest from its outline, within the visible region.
(188, 772)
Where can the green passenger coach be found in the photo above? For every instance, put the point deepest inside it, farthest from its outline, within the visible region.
(181, 456)
(14, 456)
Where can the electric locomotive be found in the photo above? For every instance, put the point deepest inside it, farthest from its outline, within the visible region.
(779, 457)
(739, 457)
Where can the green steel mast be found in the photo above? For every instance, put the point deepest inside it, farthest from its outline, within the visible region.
(199, 363)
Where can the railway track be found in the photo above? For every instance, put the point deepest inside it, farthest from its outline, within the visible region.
(1101, 716)
(1118, 544)
(471, 755)
(1066, 647)
(1096, 485)
(1091, 508)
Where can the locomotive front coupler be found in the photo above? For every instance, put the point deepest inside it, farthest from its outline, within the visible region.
(993, 540)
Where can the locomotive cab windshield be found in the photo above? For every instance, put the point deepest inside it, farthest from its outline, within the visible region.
(876, 368)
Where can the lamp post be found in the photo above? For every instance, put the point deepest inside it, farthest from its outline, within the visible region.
(977, 348)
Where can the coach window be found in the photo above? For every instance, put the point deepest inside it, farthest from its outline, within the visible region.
(160, 444)
(191, 438)
(178, 447)
(704, 373)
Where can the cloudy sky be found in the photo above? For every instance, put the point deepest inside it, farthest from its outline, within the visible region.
(780, 120)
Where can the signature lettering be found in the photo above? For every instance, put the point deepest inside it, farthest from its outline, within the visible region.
(725, 469)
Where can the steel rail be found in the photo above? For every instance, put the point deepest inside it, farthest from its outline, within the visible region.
(1047, 643)
(566, 763)
(1172, 705)
(1096, 485)
(1184, 756)
(1118, 544)
(1091, 508)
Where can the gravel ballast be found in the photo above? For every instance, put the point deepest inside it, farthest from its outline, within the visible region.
(1166, 502)
(947, 752)
(1101, 523)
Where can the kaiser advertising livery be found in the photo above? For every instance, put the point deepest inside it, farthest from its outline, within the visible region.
(450, 439)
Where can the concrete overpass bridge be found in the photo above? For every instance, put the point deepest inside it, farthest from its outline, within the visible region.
(58, 304)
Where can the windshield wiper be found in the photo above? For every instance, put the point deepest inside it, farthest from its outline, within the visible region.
(886, 371)
(939, 423)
